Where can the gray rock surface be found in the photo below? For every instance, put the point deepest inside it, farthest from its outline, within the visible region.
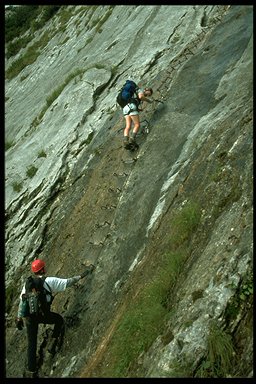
(89, 200)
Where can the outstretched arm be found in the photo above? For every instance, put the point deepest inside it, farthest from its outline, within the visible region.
(57, 284)
(71, 281)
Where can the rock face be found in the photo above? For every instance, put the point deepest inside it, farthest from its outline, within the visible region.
(89, 200)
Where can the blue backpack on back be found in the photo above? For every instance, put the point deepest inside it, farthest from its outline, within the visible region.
(125, 96)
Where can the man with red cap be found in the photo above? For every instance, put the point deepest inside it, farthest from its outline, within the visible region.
(51, 285)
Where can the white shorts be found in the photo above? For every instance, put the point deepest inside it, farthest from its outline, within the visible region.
(130, 109)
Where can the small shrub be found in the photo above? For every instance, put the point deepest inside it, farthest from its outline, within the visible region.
(89, 138)
(100, 66)
(184, 223)
(240, 299)
(65, 40)
(220, 354)
(246, 290)
(9, 144)
(17, 186)
(89, 40)
(41, 154)
(197, 295)
(31, 171)
(114, 70)
(23, 77)
(35, 122)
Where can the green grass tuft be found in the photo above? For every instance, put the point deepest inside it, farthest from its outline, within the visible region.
(220, 354)
(146, 316)
(8, 144)
(41, 154)
(17, 186)
(31, 171)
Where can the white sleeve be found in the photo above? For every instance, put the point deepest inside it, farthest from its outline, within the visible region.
(56, 284)
(23, 291)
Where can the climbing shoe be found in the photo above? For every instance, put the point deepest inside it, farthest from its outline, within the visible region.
(52, 346)
(126, 142)
(132, 144)
(30, 374)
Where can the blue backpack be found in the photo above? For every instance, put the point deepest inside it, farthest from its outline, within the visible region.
(125, 96)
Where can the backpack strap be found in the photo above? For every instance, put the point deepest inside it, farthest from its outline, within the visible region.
(33, 282)
(49, 290)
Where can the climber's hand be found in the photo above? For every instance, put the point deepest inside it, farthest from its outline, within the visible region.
(88, 270)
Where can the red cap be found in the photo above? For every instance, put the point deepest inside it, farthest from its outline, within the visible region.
(37, 265)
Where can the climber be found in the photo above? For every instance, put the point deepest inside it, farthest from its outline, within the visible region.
(51, 285)
(131, 114)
